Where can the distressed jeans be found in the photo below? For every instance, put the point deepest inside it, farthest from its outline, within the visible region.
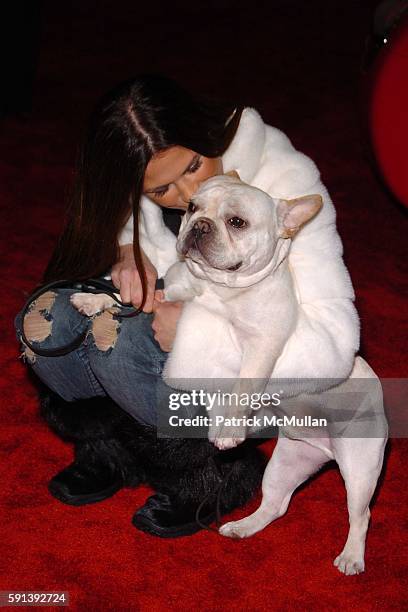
(119, 357)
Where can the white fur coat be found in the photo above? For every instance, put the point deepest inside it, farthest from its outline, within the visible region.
(327, 334)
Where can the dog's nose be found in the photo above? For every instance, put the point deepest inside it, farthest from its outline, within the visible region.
(202, 226)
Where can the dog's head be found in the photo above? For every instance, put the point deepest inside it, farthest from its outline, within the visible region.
(235, 228)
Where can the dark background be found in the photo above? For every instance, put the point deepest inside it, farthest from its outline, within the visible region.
(285, 58)
(298, 63)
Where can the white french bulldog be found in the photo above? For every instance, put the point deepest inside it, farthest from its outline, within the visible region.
(241, 311)
(240, 303)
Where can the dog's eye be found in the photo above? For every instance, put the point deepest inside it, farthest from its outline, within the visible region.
(236, 222)
(192, 207)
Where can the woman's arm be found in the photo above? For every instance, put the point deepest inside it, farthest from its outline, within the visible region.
(159, 244)
(326, 341)
(166, 314)
(126, 278)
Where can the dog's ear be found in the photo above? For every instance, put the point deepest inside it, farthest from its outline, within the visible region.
(233, 173)
(292, 214)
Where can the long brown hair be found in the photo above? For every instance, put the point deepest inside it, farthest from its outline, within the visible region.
(130, 124)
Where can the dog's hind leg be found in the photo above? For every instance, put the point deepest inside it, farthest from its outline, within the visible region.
(292, 462)
(360, 462)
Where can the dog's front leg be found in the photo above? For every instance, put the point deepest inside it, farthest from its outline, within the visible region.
(259, 358)
(179, 285)
(228, 427)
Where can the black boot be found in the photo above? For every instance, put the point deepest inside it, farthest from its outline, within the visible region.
(89, 479)
(106, 443)
(193, 480)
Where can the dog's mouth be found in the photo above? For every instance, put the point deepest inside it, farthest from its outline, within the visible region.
(235, 267)
(192, 247)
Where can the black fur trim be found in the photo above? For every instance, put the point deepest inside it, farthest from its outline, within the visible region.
(93, 418)
(186, 469)
(112, 453)
(189, 470)
(102, 432)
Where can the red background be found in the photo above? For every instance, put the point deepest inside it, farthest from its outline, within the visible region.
(298, 64)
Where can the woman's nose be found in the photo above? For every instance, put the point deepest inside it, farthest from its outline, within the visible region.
(186, 187)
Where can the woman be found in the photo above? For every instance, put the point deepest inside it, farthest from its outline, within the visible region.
(149, 145)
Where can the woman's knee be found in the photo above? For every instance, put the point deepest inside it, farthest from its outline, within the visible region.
(49, 323)
(109, 331)
(36, 324)
(128, 342)
(105, 329)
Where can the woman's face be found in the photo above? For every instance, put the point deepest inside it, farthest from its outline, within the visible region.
(174, 175)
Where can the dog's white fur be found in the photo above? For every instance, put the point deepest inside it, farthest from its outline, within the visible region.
(245, 325)
(295, 459)
(252, 317)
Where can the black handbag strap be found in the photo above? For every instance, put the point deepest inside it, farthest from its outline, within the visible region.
(92, 285)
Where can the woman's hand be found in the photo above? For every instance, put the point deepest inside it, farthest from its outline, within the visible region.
(166, 315)
(126, 278)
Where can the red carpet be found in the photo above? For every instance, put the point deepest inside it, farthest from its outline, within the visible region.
(298, 63)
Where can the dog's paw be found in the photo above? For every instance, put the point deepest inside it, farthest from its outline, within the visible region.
(349, 564)
(226, 443)
(236, 529)
(225, 436)
(89, 304)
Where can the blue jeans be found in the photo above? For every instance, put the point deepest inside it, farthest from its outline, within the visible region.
(128, 370)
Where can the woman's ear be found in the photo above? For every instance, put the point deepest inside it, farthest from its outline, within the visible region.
(292, 214)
